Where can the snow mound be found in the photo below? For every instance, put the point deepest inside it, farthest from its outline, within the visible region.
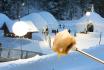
(73, 61)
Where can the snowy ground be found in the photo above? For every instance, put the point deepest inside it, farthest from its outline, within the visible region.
(36, 44)
(73, 61)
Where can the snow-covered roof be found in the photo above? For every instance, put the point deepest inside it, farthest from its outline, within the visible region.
(36, 19)
(93, 18)
(20, 28)
(50, 19)
(9, 22)
(41, 20)
(31, 26)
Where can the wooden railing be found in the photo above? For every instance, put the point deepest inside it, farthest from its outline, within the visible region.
(8, 54)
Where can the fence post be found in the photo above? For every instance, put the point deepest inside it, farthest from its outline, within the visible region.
(100, 38)
(26, 54)
(0, 49)
(8, 53)
(21, 54)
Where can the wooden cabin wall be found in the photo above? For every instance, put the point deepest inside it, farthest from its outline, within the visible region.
(28, 35)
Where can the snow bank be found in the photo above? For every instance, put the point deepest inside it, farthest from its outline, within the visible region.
(84, 41)
(73, 61)
(91, 39)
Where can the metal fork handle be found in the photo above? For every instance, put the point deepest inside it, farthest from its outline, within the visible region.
(90, 56)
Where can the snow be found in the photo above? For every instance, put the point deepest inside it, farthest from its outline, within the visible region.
(50, 19)
(9, 22)
(31, 26)
(69, 24)
(36, 19)
(73, 61)
(20, 28)
(41, 20)
(26, 44)
(93, 18)
(38, 36)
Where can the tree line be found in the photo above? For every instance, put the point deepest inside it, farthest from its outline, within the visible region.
(61, 9)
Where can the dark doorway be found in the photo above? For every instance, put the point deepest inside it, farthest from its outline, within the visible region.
(90, 27)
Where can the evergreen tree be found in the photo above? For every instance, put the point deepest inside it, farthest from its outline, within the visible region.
(61, 9)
